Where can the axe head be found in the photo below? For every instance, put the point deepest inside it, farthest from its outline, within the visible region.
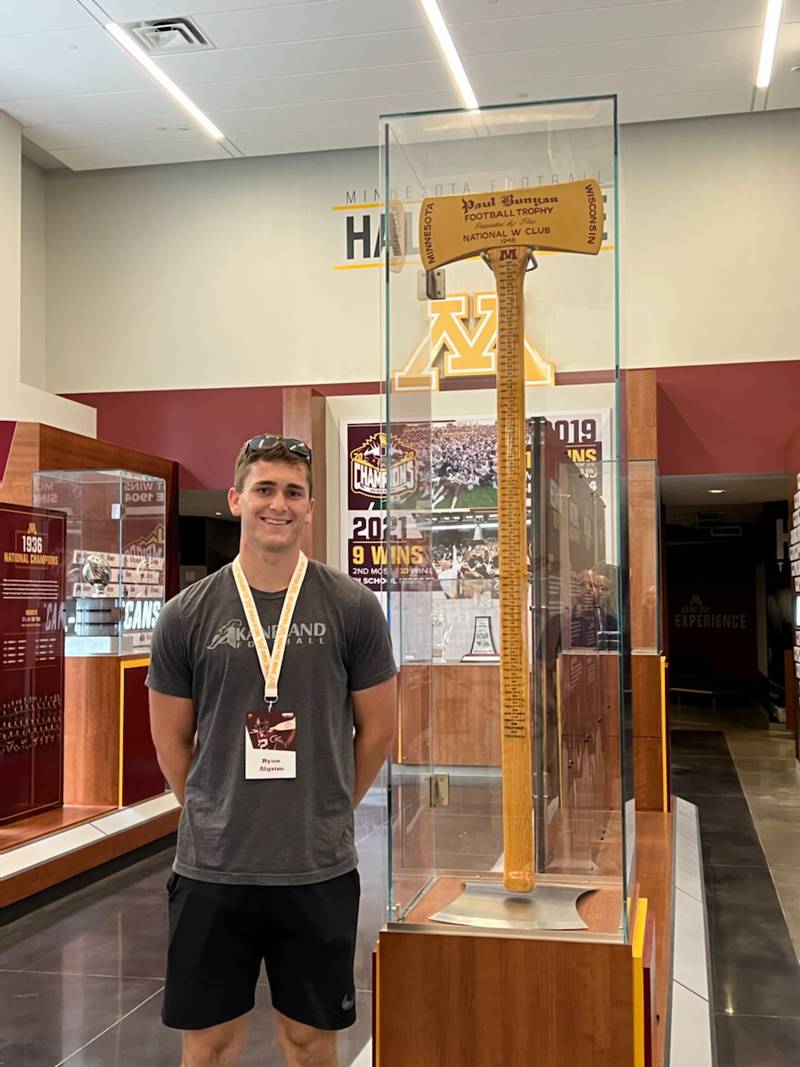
(564, 218)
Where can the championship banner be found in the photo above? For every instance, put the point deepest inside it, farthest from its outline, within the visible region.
(365, 519)
(31, 660)
(449, 468)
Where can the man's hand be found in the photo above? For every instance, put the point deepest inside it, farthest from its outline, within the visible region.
(374, 715)
(172, 727)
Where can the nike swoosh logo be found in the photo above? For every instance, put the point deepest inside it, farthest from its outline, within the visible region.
(347, 1003)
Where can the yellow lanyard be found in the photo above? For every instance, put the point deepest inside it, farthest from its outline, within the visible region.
(270, 664)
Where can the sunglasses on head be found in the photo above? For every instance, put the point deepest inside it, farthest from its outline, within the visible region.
(269, 440)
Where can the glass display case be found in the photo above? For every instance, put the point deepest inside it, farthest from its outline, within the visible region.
(510, 792)
(115, 550)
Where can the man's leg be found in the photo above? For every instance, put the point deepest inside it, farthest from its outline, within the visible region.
(301, 1045)
(217, 1046)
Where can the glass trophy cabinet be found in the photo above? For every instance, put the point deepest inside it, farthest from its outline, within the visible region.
(115, 555)
(487, 652)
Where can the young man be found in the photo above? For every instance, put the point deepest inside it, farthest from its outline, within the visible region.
(272, 708)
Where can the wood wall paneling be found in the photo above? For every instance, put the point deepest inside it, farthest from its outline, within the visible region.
(304, 418)
(23, 458)
(480, 1001)
(651, 745)
(642, 414)
(91, 730)
(44, 875)
(644, 517)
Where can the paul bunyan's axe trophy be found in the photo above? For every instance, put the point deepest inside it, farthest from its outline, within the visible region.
(505, 228)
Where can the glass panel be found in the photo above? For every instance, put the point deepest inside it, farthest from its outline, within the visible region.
(520, 166)
(115, 548)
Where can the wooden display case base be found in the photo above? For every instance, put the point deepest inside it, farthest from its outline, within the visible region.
(458, 997)
(48, 872)
(49, 822)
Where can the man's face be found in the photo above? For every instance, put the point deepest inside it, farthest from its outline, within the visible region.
(274, 505)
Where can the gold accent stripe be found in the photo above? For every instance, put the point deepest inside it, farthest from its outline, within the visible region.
(637, 952)
(355, 207)
(357, 266)
(376, 1040)
(664, 767)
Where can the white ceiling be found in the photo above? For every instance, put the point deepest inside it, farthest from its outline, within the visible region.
(306, 75)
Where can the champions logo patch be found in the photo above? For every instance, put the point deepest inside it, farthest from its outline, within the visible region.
(370, 462)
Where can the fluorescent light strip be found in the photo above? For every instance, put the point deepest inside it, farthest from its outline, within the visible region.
(451, 56)
(158, 75)
(769, 43)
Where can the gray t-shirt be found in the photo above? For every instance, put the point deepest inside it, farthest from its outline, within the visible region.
(290, 831)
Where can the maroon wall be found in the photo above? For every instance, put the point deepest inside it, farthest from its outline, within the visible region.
(716, 419)
(201, 428)
(731, 418)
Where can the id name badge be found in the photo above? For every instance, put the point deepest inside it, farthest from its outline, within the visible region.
(270, 738)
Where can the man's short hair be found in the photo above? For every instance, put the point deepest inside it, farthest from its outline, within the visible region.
(278, 452)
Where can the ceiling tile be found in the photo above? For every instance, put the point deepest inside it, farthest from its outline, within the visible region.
(258, 144)
(340, 53)
(329, 85)
(725, 45)
(577, 28)
(134, 10)
(140, 153)
(300, 22)
(684, 105)
(89, 107)
(41, 16)
(43, 64)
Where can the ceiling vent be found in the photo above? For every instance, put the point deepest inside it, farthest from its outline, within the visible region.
(167, 37)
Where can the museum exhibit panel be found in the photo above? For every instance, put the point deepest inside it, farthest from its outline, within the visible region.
(512, 829)
(31, 660)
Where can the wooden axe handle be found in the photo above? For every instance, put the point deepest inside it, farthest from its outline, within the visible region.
(508, 266)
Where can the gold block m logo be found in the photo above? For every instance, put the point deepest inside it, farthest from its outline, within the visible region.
(462, 343)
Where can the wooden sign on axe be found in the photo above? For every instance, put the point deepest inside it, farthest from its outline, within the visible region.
(506, 228)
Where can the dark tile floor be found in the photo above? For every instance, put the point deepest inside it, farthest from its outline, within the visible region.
(755, 973)
(81, 978)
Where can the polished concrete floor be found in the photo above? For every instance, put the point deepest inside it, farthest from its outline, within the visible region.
(81, 978)
(744, 779)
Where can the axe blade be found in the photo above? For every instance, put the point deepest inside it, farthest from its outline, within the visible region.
(564, 218)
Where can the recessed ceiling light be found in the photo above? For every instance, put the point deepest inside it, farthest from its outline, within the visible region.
(769, 43)
(217, 512)
(715, 491)
(450, 54)
(125, 41)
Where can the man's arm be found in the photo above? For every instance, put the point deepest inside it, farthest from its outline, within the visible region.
(374, 715)
(172, 727)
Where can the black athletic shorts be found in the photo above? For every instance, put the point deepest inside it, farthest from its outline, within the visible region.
(219, 934)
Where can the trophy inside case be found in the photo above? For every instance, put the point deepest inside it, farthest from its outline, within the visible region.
(115, 556)
(511, 782)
